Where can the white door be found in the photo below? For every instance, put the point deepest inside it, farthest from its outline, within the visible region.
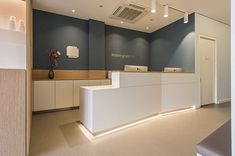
(207, 70)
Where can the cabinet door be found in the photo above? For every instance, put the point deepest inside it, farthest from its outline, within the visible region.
(77, 85)
(64, 94)
(106, 82)
(94, 82)
(43, 95)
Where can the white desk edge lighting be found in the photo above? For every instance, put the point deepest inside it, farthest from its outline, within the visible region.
(135, 96)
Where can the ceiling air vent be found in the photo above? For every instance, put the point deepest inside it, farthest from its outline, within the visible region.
(129, 12)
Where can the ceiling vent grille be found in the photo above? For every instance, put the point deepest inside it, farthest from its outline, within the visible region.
(129, 12)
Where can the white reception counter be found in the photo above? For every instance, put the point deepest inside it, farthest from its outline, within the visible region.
(134, 96)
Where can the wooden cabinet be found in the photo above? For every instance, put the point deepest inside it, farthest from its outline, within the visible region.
(77, 85)
(60, 94)
(44, 95)
(64, 94)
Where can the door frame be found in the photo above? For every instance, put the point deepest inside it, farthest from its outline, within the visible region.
(215, 68)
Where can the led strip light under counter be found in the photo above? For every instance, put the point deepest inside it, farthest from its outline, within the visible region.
(92, 137)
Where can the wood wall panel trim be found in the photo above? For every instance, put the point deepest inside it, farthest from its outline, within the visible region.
(13, 112)
(29, 49)
(70, 74)
(97, 74)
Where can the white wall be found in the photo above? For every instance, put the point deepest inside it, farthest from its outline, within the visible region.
(221, 32)
(233, 77)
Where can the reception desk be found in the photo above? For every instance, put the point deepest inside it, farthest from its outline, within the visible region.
(134, 96)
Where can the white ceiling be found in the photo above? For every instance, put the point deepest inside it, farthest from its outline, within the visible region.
(89, 9)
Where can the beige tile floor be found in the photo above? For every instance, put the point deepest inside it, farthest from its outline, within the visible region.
(57, 134)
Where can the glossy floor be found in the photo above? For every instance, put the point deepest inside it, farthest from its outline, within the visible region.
(57, 134)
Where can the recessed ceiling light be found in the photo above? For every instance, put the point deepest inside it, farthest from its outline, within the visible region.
(154, 6)
(166, 12)
(147, 28)
(121, 22)
(73, 11)
(186, 17)
(101, 6)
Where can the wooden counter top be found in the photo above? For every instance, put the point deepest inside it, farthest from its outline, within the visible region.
(70, 74)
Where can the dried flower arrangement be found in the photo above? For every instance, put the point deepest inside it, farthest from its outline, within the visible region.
(53, 56)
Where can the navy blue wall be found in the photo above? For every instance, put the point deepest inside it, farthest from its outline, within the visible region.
(126, 47)
(174, 46)
(57, 32)
(96, 45)
(107, 47)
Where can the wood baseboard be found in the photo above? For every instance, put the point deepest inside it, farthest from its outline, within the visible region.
(54, 110)
(70, 74)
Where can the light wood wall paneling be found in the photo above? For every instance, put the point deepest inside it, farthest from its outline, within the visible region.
(97, 74)
(12, 113)
(29, 36)
(71, 74)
